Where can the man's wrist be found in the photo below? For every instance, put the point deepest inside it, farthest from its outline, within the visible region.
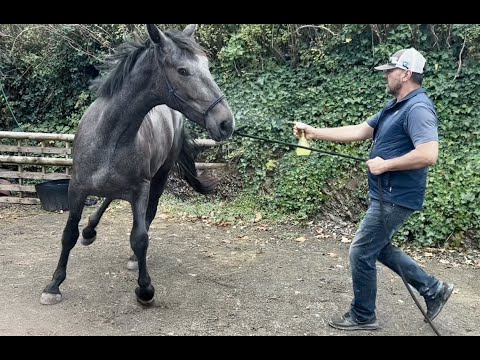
(387, 165)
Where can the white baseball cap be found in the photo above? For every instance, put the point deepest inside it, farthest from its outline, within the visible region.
(406, 59)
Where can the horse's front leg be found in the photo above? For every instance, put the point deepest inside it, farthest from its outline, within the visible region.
(88, 233)
(51, 294)
(156, 190)
(139, 243)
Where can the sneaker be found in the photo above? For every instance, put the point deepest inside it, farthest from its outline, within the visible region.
(346, 322)
(435, 305)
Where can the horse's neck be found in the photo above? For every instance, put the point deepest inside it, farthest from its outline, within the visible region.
(123, 114)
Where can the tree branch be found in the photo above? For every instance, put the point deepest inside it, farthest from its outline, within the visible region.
(317, 27)
(460, 58)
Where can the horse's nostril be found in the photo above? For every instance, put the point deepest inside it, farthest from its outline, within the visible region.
(224, 126)
(227, 127)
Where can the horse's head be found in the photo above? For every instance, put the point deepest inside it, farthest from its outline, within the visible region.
(191, 87)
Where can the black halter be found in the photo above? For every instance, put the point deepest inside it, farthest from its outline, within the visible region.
(178, 97)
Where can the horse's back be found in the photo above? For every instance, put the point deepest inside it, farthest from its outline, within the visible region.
(162, 130)
(162, 123)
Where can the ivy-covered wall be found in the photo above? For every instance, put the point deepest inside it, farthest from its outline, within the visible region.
(331, 82)
(273, 75)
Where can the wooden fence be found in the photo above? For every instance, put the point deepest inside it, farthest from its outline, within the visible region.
(27, 158)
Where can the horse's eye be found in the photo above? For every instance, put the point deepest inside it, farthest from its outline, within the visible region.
(183, 71)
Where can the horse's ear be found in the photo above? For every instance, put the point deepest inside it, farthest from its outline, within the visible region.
(154, 33)
(157, 36)
(190, 29)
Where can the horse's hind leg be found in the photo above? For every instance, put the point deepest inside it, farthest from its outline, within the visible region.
(139, 243)
(89, 234)
(51, 294)
(156, 190)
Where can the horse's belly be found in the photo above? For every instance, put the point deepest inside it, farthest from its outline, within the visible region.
(108, 182)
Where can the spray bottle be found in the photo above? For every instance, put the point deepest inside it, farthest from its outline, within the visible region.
(303, 142)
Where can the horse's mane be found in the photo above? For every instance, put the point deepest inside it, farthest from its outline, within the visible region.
(119, 64)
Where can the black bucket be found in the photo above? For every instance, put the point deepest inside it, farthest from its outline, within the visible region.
(53, 194)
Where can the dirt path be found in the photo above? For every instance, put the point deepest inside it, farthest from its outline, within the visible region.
(209, 280)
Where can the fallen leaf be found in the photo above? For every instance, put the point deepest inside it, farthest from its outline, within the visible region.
(263, 227)
(301, 239)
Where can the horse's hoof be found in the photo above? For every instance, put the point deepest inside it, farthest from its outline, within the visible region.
(50, 299)
(146, 303)
(145, 295)
(132, 265)
(89, 241)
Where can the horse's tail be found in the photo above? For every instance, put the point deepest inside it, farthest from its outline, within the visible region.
(185, 167)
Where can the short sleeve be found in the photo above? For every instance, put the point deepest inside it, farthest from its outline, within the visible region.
(373, 121)
(421, 124)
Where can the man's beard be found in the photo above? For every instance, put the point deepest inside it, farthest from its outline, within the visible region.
(393, 90)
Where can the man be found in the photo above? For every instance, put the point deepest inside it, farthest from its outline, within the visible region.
(405, 144)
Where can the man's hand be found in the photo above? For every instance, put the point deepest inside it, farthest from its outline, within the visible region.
(377, 166)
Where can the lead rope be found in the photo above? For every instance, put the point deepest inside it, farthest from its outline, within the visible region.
(380, 188)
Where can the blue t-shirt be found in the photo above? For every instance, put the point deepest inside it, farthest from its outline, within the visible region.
(421, 124)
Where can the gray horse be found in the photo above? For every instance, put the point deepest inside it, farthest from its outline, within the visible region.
(130, 137)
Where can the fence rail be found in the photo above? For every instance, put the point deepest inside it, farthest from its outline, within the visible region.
(44, 156)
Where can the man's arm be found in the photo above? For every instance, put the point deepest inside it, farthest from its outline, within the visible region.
(343, 134)
(423, 155)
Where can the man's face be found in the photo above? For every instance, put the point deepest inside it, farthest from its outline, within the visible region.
(394, 80)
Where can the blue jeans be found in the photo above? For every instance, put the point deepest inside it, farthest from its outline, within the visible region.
(373, 242)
